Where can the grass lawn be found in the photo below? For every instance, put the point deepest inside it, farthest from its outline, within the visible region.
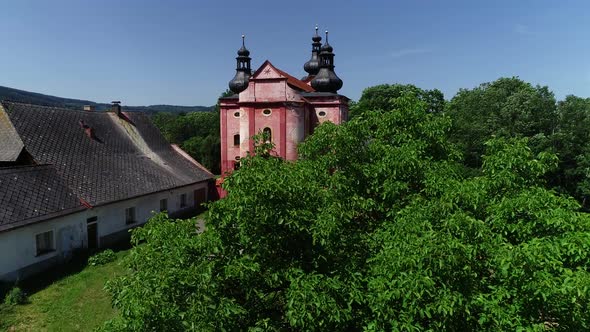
(70, 298)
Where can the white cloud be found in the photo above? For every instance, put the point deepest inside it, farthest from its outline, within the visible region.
(408, 51)
(524, 30)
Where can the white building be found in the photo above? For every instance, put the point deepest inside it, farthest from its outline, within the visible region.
(81, 179)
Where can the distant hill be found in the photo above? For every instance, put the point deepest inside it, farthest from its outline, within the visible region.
(77, 104)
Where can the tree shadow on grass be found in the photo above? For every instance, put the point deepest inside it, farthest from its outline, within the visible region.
(77, 263)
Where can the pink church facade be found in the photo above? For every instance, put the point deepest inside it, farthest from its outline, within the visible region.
(273, 101)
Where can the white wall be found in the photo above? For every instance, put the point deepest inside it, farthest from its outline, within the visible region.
(18, 246)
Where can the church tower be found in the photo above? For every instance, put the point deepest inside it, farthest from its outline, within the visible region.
(272, 101)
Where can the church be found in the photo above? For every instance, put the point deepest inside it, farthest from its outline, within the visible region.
(287, 109)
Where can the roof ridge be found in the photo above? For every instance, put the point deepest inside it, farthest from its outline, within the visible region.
(7, 101)
(295, 81)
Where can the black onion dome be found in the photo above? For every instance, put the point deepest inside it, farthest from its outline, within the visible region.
(243, 51)
(326, 47)
(326, 80)
(313, 65)
(240, 81)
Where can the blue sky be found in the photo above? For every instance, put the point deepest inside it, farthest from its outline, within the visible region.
(182, 52)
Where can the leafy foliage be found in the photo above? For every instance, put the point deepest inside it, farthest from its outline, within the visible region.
(383, 97)
(571, 142)
(103, 257)
(15, 296)
(197, 133)
(374, 228)
(507, 107)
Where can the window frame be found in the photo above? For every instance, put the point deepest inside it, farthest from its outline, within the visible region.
(269, 131)
(165, 200)
(46, 251)
(133, 220)
(183, 200)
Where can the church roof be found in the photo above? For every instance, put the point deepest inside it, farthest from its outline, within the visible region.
(296, 82)
(292, 81)
(99, 156)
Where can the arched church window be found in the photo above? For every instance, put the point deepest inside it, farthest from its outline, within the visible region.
(236, 139)
(268, 134)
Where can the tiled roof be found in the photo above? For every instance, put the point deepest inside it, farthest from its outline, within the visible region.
(115, 160)
(296, 82)
(30, 193)
(292, 81)
(10, 143)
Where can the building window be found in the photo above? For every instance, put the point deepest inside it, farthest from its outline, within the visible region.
(183, 200)
(237, 114)
(163, 205)
(268, 134)
(45, 243)
(237, 140)
(130, 215)
(266, 112)
(236, 165)
(322, 114)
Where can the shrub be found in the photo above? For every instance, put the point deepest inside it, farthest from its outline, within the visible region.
(15, 296)
(102, 258)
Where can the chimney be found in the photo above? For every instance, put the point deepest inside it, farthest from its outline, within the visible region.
(89, 108)
(116, 107)
(87, 129)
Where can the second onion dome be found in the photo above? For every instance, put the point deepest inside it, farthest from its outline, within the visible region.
(312, 67)
(326, 79)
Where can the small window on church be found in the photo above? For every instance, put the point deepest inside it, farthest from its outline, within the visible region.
(236, 165)
(237, 158)
(237, 114)
(236, 139)
(268, 133)
(266, 112)
(322, 114)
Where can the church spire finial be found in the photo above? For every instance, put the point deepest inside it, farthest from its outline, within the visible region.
(312, 67)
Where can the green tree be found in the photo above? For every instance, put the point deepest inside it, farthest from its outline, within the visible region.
(384, 96)
(374, 228)
(571, 142)
(507, 107)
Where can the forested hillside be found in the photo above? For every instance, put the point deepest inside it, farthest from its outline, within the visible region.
(46, 100)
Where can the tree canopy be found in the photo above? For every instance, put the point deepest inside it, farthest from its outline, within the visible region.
(507, 107)
(384, 96)
(376, 227)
